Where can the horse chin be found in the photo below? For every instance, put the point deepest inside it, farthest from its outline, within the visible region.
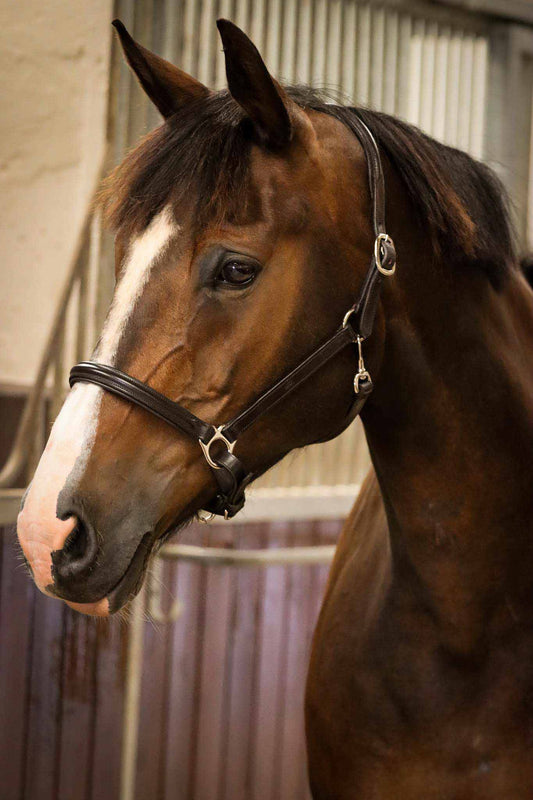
(132, 579)
(100, 609)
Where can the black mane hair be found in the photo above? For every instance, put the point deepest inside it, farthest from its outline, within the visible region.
(203, 154)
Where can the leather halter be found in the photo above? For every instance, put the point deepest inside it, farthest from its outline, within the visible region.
(231, 475)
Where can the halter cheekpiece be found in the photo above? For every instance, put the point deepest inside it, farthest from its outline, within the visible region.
(218, 442)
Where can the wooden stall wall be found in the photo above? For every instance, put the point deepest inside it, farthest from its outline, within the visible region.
(222, 688)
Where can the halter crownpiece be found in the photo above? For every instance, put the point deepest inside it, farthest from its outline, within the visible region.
(231, 476)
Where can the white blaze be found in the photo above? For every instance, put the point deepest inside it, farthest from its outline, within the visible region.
(73, 433)
(80, 411)
(143, 253)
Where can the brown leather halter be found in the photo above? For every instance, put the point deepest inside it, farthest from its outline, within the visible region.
(230, 474)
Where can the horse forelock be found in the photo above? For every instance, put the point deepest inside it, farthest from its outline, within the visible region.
(198, 158)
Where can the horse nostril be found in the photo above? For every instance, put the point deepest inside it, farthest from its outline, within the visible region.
(78, 554)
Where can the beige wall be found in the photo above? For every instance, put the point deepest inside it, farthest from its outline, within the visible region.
(54, 58)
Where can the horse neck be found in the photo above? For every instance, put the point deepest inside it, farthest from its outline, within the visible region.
(450, 431)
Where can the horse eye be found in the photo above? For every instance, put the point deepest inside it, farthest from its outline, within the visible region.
(235, 273)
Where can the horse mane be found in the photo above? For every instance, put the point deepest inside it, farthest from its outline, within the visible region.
(203, 154)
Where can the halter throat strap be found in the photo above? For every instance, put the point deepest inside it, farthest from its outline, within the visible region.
(231, 476)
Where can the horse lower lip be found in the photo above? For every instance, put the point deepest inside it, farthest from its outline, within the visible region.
(131, 581)
(125, 589)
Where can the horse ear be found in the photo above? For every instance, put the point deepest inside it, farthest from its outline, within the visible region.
(254, 89)
(168, 87)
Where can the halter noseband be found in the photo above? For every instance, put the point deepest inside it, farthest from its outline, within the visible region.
(229, 472)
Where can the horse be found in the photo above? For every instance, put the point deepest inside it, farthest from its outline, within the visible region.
(245, 225)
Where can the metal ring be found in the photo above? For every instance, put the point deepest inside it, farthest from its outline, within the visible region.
(361, 376)
(218, 436)
(204, 516)
(383, 237)
(347, 317)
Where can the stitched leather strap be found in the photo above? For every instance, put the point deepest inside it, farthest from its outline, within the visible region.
(123, 385)
(376, 180)
(289, 383)
(364, 309)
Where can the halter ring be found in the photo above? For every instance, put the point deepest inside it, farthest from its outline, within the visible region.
(360, 376)
(204, 516)
(385, 239)
(218, 436)
(347, 316)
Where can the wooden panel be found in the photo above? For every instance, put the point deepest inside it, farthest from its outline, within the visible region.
(108, 709)
(241, 682)
(152, 710)
(43, 735)
(222, 691)
(291, 742)
(78, 706)
(211, 676)
(271, 642)
(61, 682)
(16, 626)
(188, 584)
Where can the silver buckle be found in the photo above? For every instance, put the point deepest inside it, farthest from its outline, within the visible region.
(218, 436)
(383, 237)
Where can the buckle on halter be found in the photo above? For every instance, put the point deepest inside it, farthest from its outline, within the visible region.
(384, 250)
(218, 436)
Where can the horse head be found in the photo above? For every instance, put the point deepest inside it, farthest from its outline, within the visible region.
(243, 234)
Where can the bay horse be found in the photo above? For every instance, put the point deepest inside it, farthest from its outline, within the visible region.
(244, 225)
